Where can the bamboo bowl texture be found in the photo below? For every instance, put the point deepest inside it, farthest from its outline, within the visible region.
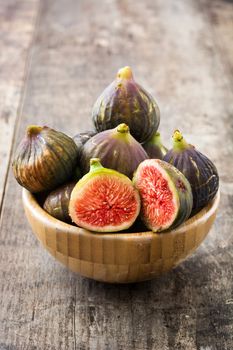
(118, 257)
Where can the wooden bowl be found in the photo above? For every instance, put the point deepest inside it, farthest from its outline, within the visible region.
(118, 257)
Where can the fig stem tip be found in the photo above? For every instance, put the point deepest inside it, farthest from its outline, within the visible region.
(123, 128)
(34, 130)
(177, 136)
(179, 143)
(125, 73)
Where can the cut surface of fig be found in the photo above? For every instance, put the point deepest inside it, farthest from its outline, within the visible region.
(104, 200)
(166, 196)
(159, 203)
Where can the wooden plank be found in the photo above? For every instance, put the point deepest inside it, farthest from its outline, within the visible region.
(17, 21)
(78, 49)
(220, 17)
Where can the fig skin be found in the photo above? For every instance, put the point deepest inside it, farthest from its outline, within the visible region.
(81, 138)
(154, 147)
(198, 169)
(57, 202)
(125, 101)
(178, 185)
(44, 159)
(77, 174)
(117, 150)
(105, 202)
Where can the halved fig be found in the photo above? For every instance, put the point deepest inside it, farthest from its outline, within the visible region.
(104, 200)
(166, 195)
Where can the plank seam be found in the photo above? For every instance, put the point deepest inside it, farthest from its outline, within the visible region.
(27, 68)
(207, 11)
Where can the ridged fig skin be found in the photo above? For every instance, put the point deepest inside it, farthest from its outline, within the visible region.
(179, 186)
(198, 169)
(125, 101)
(117, 150)
(154, 147)
(44, 159)
(57, 202)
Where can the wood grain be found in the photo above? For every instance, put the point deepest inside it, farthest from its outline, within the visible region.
(17, 22)
(182, 53)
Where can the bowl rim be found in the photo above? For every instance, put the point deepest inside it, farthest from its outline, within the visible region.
(34, 207)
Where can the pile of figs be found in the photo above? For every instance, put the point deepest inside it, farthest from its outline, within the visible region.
(107, 179)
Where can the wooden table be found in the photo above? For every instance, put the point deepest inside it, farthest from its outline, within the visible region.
(56, 57)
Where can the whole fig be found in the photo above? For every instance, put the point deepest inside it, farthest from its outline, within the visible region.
(57, 202)
(125, 101)
(197, 168)
(117, 150)
(44, 159)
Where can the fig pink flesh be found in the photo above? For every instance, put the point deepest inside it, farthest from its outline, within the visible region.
(158, 206)
(106, 201)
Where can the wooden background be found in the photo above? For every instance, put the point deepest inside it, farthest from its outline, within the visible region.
(56, 57)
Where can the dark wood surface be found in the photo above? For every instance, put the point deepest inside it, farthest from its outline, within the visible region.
(56, 57)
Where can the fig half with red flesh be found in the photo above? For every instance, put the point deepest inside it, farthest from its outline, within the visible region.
(104, 200)
(165, 193)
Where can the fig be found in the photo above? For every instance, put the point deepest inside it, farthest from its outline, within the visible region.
(197, 168)
(81, 138)
(44, 159)
(166, 195)
(117, 150)
(77, 174)
(104, 200)
(57, 202)
(154, 147)
(125, 101)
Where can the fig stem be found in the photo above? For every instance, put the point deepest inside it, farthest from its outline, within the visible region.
(95, 164)
(156, 139)
(179, 143)
(33, 130)
(125, 73)
(123, 128)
